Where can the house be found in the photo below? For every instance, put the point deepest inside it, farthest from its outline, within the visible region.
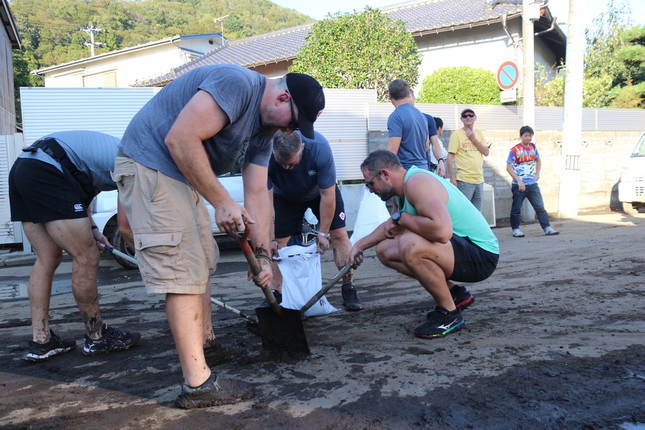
(9, 40)
(123, 67)
(471, 33)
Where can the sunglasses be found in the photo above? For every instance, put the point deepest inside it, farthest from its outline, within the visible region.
(369, 184)
(468, 115)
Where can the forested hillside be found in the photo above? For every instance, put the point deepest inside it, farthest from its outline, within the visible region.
(50, 29)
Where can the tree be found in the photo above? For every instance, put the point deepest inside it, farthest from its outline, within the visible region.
(632, 94)
(463, 85)
(359, 50)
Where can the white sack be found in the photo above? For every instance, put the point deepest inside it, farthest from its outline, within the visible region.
(302, 279)
(371, 213)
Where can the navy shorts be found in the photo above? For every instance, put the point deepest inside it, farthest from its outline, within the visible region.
(39, 192)
(289, 215)
(472, 263)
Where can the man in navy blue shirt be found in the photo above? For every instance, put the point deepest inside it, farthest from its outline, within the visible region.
(302, 176)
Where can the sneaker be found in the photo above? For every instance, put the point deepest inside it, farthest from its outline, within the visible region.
(351, 302)
(43, 351)
(215, 391)
(461, 296)
(549, 231)
(517, 233)
(113, 340)
(440, 323)
(278, 299)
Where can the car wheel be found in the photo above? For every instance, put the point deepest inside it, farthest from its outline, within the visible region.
(119, 244)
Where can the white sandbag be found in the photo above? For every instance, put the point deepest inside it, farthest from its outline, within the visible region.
(302, 279)
(371, 213)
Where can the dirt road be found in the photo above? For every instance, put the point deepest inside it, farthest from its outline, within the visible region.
(554, 341)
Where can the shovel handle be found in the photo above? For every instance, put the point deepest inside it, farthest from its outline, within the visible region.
(119, 253)
(254, 264)
(326, 288)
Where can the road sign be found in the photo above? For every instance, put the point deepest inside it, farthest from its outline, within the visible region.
(507, 75)
(506, 96)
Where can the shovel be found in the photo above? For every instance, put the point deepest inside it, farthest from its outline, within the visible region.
(281, 329)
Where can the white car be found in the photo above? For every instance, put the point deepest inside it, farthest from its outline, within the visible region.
(104, 210)
(631, 188)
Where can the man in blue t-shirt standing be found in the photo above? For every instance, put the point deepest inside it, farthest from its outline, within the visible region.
(407, 128)
(302, 176)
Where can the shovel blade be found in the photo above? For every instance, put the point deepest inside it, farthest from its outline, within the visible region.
(282, 332)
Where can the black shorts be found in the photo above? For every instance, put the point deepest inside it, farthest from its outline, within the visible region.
(288, 214)
(39, 192)
(472, 263)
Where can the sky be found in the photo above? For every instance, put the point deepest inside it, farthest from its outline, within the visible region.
(318, 9)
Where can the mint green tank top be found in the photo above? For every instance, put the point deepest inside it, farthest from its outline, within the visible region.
(467, 221)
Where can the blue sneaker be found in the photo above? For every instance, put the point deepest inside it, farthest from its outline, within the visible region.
(112, 340)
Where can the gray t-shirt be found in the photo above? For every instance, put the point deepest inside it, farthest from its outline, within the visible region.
(92, 152)
(237, 91)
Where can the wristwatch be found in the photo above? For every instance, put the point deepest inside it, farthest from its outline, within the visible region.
(396, 216)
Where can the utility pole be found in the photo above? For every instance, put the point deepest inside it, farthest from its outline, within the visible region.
(91, 30)
(221, 22)
(530, 13)
(572, 127)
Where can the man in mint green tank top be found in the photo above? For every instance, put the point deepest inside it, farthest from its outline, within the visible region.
(435, 235)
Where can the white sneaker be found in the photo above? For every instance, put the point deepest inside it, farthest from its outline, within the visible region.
(517, 233)
(549, 231)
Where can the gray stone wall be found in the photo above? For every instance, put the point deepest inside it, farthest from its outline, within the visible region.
(603, 154)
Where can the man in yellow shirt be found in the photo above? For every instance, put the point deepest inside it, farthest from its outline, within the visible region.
(466, 152)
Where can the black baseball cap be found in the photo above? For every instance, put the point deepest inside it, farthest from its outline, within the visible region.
(308, 96)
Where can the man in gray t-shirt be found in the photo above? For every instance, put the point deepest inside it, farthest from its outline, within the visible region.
(51, 185)
(210, 121)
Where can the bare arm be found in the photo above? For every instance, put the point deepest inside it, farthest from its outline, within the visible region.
(256, 201)
(481, 147)
(393, 144)
(327, 210)
(429, 198)
(450, 163)
(511, 171)
(201, 119)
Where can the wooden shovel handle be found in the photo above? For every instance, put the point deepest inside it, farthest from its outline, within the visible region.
(254, 264)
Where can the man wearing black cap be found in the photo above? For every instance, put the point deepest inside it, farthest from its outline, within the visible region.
(210, 121)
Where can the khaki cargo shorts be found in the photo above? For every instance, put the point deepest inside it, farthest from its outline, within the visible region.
(173, 238)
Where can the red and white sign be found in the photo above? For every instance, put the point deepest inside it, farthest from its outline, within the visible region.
(507, 75)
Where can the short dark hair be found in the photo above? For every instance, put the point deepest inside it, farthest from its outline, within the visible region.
(381, 159)
(399, 89)
(526, 129)
(286, 145)
(438, 122)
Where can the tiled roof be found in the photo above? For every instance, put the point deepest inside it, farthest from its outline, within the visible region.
(420, 16)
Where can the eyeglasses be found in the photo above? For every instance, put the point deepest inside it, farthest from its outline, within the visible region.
(293, 125)
(369, 184)
(468, 115)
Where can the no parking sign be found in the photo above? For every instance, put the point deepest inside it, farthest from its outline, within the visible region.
(507, 75)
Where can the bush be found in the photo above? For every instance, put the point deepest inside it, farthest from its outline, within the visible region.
(462, 85)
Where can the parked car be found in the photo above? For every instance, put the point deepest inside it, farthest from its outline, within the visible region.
(631, 187)
(104, 210)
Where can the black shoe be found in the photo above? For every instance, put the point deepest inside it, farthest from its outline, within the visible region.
(112, 340)
(440, 323)
(461, 296)
(351, 302)
(278, 299)
(214, 392)
(43, 351)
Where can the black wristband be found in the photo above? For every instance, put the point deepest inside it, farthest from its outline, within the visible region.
(94, 227)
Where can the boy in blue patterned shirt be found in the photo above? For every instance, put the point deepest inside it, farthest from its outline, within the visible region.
(523, 164)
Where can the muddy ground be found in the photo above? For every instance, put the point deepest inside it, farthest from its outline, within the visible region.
(554, 341)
